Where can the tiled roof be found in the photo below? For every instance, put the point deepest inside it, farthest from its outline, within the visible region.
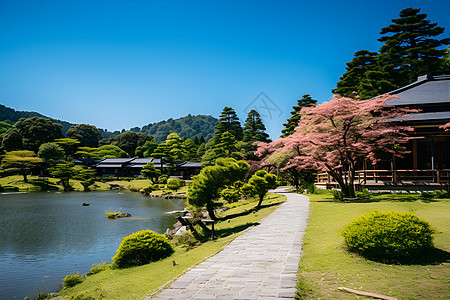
(426, 90)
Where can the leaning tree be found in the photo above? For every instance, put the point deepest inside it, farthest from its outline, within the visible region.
(334, 135)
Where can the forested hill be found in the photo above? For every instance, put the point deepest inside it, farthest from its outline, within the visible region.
(186, 127)
(13, 116)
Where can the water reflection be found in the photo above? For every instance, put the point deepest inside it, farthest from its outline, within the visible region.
(46, 236)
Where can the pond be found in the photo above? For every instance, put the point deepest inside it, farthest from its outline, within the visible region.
(46, 236)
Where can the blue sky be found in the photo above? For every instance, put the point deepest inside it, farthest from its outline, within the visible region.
(120, 64)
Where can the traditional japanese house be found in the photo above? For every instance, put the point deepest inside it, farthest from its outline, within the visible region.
(132, 167)
(428, 163)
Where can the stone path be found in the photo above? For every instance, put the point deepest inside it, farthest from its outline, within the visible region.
(260, 264)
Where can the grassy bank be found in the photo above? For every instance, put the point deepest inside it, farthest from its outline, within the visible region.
(38, 184)
(135, 283)
(326, 264)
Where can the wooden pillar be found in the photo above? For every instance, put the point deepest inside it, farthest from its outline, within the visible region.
(433, 163)
(433, 166)
(414, 153)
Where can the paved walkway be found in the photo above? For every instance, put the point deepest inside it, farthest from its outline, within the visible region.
(260, 264)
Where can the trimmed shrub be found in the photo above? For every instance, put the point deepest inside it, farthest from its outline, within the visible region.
(163, 179)
(338, 195)
(72, 280)
(150, 188)
(141, 248)
(389, 236)
(230, 194)
(175, 184)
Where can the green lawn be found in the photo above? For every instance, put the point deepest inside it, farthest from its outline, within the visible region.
(135, 283)
(37, 184)
(326, 265)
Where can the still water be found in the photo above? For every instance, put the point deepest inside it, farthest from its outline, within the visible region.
(45, 236)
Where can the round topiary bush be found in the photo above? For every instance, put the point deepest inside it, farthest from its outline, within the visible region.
(389, 236)
(140, 248)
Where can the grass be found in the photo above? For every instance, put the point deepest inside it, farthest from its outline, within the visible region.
(327, 265)
(138, 282)
(38, 184)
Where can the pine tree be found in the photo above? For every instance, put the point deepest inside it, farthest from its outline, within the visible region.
(350, 81)
(228, 121)
(254, 129)
(292, 122)
(409, 50)
(410, 46)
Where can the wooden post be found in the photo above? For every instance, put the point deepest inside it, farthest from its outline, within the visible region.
(414, 153)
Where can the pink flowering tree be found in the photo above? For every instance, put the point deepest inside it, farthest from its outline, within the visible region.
(334, 135)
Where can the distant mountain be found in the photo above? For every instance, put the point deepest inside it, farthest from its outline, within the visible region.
(186, 127)
(13, 115)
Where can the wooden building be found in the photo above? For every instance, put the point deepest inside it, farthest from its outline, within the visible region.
(131, 167)
(428, 163)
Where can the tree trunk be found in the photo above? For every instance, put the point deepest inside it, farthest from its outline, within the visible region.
(294, 177)
(210, 209)
(347, 189)
(260, 201)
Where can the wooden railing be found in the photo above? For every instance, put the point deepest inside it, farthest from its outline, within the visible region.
(393, 176)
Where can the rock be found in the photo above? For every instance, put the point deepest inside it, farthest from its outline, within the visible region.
(181, 230)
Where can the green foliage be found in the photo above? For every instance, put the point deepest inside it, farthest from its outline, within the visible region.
(86, 177)
(151, 172)
(254, 129)
(259, 184)
(141, 248)
(410, 49)
(147, 149)
(64, 171)
(175, 147)
(128, 141)
(163, 179)
(435, 194)
(292, 122)
(228, 121)
(175, 184)
(10, 115)
(185, 240)
(68, 145)
(22, 162)
(337, 195)
(205, 187)
(150, 188)
(72, 280)
(389, 236)
(50, 152)
(88, 135)
(186, 127)
(29, 134)
(98, 267)
(231, 194)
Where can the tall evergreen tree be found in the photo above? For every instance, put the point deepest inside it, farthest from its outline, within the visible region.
(229, 121)
(350, 81)
(292, 122)
(410, 50)
(254, 129)
(410, 45)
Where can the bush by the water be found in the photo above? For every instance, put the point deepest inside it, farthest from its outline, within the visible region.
(141, 248)
(150, 188)
(72, 280)
(175, 184)
(389, 236)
